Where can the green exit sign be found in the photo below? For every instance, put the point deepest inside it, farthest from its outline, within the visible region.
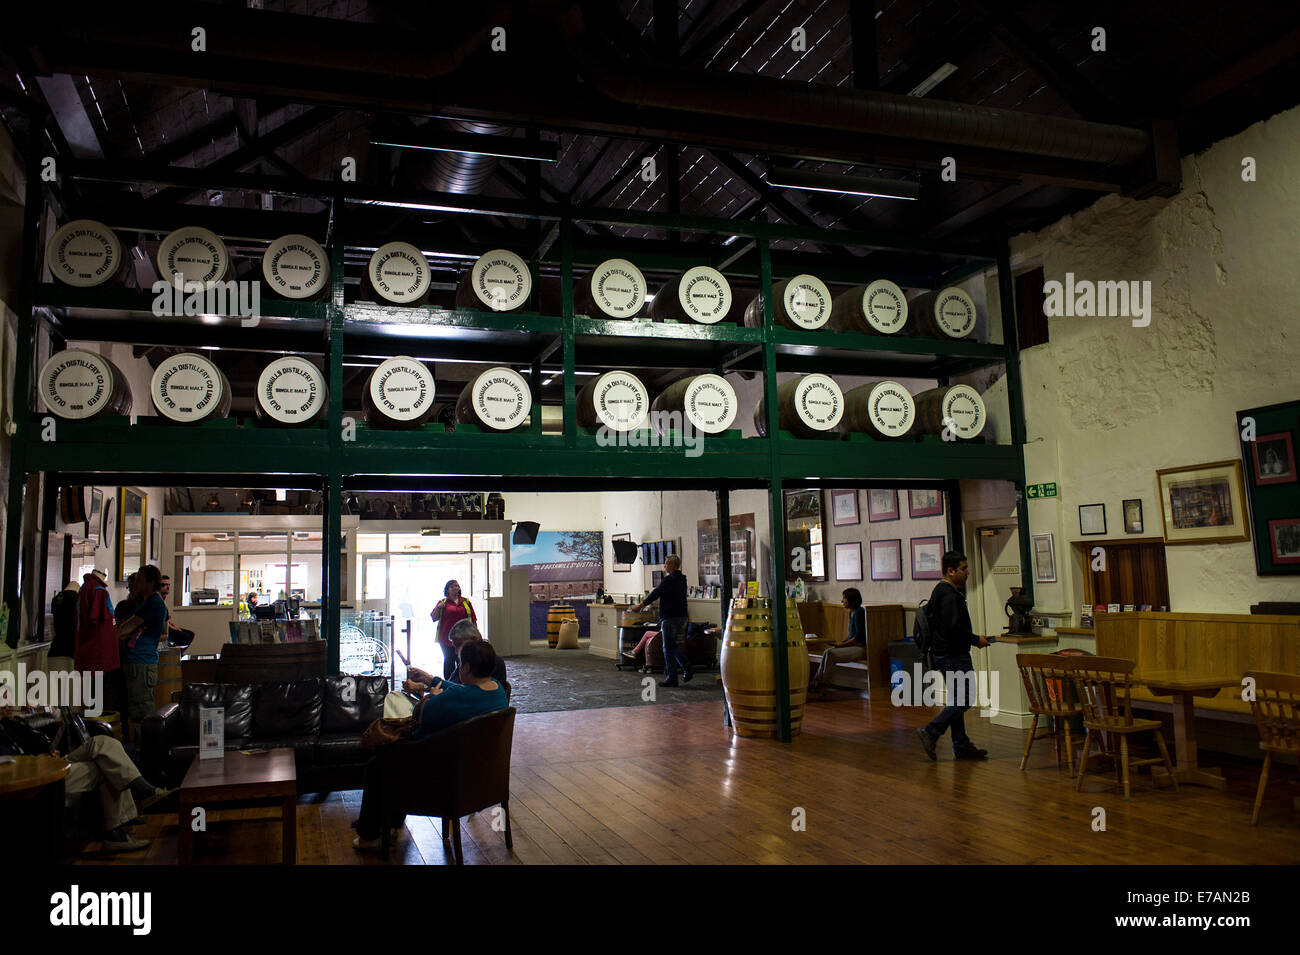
(1033, 491)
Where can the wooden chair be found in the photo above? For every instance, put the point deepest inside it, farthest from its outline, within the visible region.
(1276, 708)
(1104, 688)
(1048, 684)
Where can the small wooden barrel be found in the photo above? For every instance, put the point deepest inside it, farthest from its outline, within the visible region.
(296, 267)
(701, 294)
(169, 675)
(499, 399)
(708, 402)
(291, 391)
(189, 389)
(878, 308)
(85, 253)
(499, 281)
(809, 406)
(554, 618)
(397, 274)
(81, 385)
(114, 719)
(883, 410)
(947, 314)
(568, 639)
(801, 303)
(72, 504)
(614, 289)
(959, 406)
(399, 394)
(195, 254)
(616, 400)
(749, 672)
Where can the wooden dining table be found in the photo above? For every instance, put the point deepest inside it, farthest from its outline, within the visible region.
(1184, 688)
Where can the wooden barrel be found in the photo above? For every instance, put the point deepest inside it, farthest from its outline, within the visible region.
(614, 289)
(189, 389)
(877, 308)
(291, 391)
(701, 294)
(72, 504)
(169, 675)
(749, 672)
(399, 394)
(85, 253)
(554, 618)
(499, 399)
(799, 303)
(114, 720)
(883, 409)
(81, 385)
(809, 406)
(961, 405)
(708, 402)
(498, 281)
(195, 254)
(616, 400)
(568, 638)
(296, 267)
(397, 274)
(947, 314)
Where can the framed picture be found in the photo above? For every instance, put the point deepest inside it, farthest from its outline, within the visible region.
(848, 561)
(1044, 559)
(1203, 504)
(617, 567)
(1092, 519)
(844, 509)
(96, 515)
(804, 537)
(1133, 516)
(132, 527)
(927, 558)
(1273, 456)
(887, 560)
(882, 505)
(1284, 540)
(155, 535)
(924, 503)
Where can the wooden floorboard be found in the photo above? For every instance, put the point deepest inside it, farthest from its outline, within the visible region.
(668, 785)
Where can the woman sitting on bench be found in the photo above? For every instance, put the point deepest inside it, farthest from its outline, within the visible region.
(850, 649)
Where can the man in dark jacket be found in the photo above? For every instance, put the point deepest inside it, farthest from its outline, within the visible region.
(953, 638)
(671, 594)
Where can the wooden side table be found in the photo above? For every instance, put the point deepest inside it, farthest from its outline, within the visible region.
(34, 784)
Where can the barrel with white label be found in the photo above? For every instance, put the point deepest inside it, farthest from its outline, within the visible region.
(809, 406)
(801, 303)
(499, 281)
(616, 400)
(85, 253)
(499, 399)
(80, 385)
(614, 289)
(296, 267)
(882, 410)
(948, 314)
(399, 394)
(189, 389)
(702, 294)
(397, 274)
(291, 391)
(877, 308)
(707, 402)
(958, 408)
(196, 255)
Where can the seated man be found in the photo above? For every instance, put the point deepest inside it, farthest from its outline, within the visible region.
(446, 704)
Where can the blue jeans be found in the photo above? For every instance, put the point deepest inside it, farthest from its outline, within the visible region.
(954, 669)
(670, 628)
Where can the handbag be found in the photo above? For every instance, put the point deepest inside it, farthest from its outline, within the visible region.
(387, 730)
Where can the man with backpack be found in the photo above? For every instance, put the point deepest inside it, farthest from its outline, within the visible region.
(951, 639)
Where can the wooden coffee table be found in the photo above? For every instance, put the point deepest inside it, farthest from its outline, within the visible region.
(235, 777)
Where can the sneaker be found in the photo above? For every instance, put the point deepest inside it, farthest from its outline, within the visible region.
(671, 681)
(158, 796)
(366, 845)
(129, 844)
(927, 743)
(690, 672)
(970, 752)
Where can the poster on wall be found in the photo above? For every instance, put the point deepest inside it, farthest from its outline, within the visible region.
(744, 560)
(562, 563)
(1268, 438)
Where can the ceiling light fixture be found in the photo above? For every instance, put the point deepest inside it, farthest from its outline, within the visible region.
(933, 80)
(787, 178)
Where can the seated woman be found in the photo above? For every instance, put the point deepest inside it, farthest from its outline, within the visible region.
(446, 704)
(852, 648)
(637, 655)
(418, 682)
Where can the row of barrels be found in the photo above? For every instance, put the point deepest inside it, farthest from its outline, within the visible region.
(86, 253)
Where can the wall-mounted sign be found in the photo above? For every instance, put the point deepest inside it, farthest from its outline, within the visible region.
(1033, 491)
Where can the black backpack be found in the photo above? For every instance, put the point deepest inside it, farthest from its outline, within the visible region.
(923, 634)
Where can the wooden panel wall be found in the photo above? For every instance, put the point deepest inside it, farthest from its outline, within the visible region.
(1135, 572)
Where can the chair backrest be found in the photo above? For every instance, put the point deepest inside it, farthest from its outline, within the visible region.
(271, 662)
(1276, 708)
(479, 760)
(1104, 685)
(1046, 677)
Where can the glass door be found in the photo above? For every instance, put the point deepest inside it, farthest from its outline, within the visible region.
(374, 583)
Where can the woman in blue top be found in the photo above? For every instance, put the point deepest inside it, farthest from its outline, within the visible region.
(447, 704)
(852, 648)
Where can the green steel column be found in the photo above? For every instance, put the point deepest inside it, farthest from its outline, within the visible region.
(1016, 408)
(570, 349)
(332, 598)
(723, 495)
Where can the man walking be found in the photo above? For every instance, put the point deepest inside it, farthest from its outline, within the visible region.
(671, 594)
(953, 638)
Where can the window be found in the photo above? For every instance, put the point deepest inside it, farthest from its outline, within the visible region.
(1031, 321)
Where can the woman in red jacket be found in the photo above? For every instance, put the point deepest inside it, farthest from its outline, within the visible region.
(97, 645)
(451, 610)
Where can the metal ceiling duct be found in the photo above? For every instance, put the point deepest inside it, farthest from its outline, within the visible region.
(461, 173)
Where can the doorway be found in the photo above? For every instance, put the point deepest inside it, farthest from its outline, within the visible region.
(999, 571)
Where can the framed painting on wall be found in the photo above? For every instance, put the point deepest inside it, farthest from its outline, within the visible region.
(1268, 438)
(882, 504)
(1273, 456)
(1203, 504)
(132, 529)
(1044, 559)
(804, 538)
(926, 502)
(844, 508)
(1092, 519)
(1284, 541)
(848, 561)
(1133, 516)
(927, 558)
(887, 560)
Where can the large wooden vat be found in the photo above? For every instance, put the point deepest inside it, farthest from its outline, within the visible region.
(169, 675)
(749, 672)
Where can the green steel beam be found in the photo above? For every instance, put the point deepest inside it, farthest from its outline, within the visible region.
(1016, 408)
(333, 504)
(570, 338)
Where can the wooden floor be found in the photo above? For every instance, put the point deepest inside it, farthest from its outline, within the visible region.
(666, 784)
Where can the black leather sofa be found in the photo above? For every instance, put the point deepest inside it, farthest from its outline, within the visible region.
(320, 719)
